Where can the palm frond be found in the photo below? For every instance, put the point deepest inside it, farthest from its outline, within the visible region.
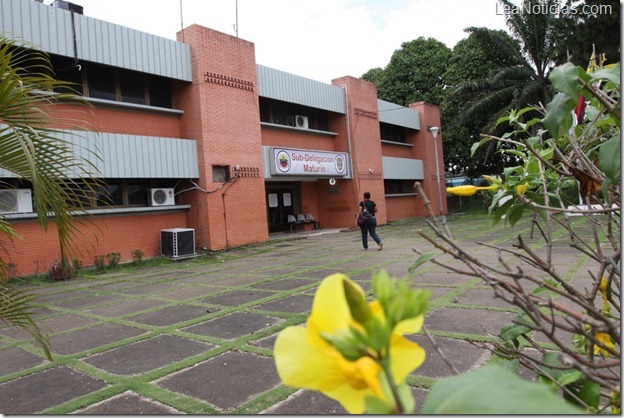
(17, 309)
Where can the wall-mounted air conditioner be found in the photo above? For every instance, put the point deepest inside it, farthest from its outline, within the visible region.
(177, 242)
(16, 200)
(301, 122)
(161, 197)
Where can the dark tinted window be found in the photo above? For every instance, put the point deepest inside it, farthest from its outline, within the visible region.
(101, 82)
(132, 87)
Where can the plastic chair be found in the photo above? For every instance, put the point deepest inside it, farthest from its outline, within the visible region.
(309, 218)
(301, 218)
(293, 222)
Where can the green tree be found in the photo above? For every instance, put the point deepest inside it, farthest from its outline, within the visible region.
(31, 150)
(590, 24)
(524, 81)
(414, 73)
(473, 57)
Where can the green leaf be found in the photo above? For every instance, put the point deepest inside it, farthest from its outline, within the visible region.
(559, 114)
(423, 259)
(564, 79)
(407, 398)
(493, 390)
(476, 145)
(569, 377)
(609, 74)
(514, 214)
(511, 332)
(377, 406)
(590, 393)
(610, 159)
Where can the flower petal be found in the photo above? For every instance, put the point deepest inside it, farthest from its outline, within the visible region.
(353, 400)
(405, 357)
(304, 360)
(330, 311)
(410, 326)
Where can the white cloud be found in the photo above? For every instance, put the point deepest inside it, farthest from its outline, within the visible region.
(322, 39)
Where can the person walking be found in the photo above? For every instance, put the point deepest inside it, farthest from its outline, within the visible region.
(369, 226)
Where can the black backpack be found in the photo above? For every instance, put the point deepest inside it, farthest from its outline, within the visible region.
(364, 217)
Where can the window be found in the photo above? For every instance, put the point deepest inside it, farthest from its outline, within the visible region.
(132, 86)
(111, 83)
(159, 90)
(392, 133)
(137, 191)
(110, 194)
(283, 113)
(399, 187)
(101, 82)
(220, 173)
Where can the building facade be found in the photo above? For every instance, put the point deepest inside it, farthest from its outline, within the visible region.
(195, 134)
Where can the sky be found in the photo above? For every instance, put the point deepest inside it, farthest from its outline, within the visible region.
(317, 39)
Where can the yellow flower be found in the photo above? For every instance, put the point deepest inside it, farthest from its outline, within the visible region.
(522, 188)
(605, 339)
(305, 360)
(468, 190)
(603, 289)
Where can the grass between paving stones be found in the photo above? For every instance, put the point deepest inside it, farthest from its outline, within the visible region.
(468, 226)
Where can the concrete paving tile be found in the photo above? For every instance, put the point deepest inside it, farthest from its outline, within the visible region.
(171, 315)
(306, 402)
(92, 337)
(69, 294)
(446, 279)
(116, 286)
(284, 284)
(14, 333)
(148, 289)
(226, 381)
(482, 297)
(237, 297)
(126, 307)
(294, 304)
(281, 271)
(15, 359)
(227, 280)
(266, 342)
(128, 403)
(463, 355)
(39, 391)
(188, 292)
(62, 323)
(89, 301)
(321, 273)
(146, 355)
(233, 325)
(468, 321)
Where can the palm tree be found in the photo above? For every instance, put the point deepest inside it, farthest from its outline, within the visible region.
(524, 81)
(31, 150)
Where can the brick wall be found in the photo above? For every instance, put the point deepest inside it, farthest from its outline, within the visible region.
(221, 111)
(35, 251)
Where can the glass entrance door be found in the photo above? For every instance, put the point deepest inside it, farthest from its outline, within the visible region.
(279, 205)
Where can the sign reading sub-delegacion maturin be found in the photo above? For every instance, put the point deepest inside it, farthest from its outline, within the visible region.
(309, 163)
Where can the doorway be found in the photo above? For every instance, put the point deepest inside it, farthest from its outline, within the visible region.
(282, 200)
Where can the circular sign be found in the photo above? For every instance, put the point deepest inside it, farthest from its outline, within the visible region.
(339, 163)
(332, 181)
(283, 161)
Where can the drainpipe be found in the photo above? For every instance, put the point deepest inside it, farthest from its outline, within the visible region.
(349, 145)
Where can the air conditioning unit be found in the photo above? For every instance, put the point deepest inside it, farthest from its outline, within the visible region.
(161, 197)
(301, 122)
(177, 242)
(16, 200)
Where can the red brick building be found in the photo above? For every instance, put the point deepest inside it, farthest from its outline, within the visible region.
(238, 146)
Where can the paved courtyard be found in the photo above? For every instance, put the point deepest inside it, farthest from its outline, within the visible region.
(197, 338)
